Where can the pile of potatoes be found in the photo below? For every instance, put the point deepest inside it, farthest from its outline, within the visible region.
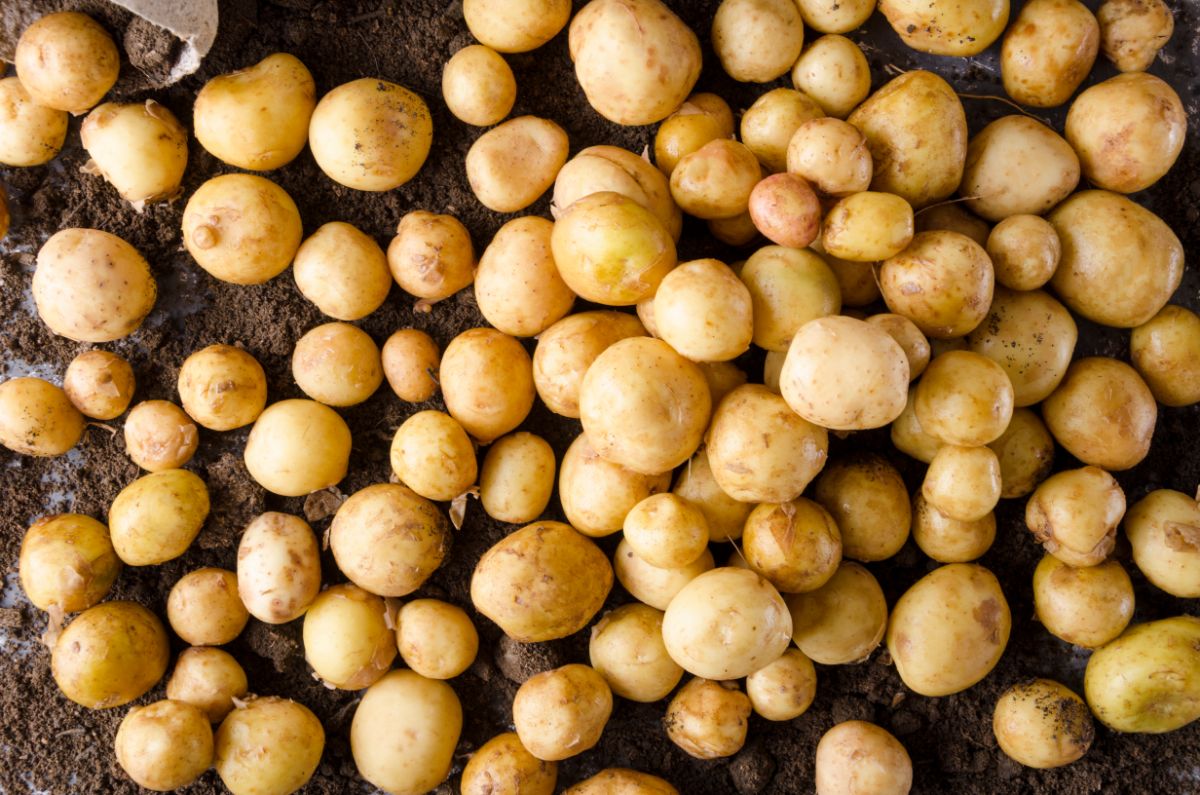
(719, 501)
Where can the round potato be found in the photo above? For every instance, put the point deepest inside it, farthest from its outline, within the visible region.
(963, 483)
(410, 361)
(627, 649)
(1041, 723)
(964, 399)
(110, 655)
(37, 418)
(513, 164)
(433, 456)
(268, 746)
(867, 227)
(860, 758)
(1087, 606)
(337, 364)
(204, 607)
(597, 494)
(1164, 530)
(517, 285)
(1048, 51)
(567, 349)
(164, 746)
(515, 25)
(1032, 336)
(1025, 251)
(831, 154)
(947, 27)
(707, 719)
(348, 637)
(796, 545)
(716, 180)
(1018, 166)
(561, 713)
(702, 118)
(436, 639)
(843, 621)
(652, 585)
(1026, 454)
(502, 766)
(1102, 413)
(784, 689)
(517, 478)
(478, 86)
(788, 288)
(1133, 31)
(757, 40)
(736, 231)
(140, 149)
(621, 781)
(222, 387)
(869, 502)
(431, 256)
(159, 435)
(834, 72)
(1074, 515)
(67, 560)
(836, 16)
(67, 61)
(278, 567)
(703, 311)
(786, 210)
(768, 125)
(487, 382)
(342, 271)
(949, 540)
(1166, 352)
(156, 517)
(30, 134)
(667, 531)
(610, 168)
(943, 282)
(208, 679)
(297, 447)
(725, 516)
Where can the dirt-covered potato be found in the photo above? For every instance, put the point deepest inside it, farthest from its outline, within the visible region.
(159, 435)
(610, 168)
(156, 517)
(110, 655)
(1017, 166)
(67, 61)
(337, 364)
(1025, 251)
(947, 27)
(410, 361)
(433, 456)
(784, 689)
(348, 637)
(268, 746)
(297, 447)
(30, 134)
(949, 540)
(1166, 352)
(836, 16)
(544, 581)
(1164, 530)
(697, 485)
(963, 483)
(517, 285)
(515, 25)
(1128, 131)
(785, 208)
(788, 287)
(1026, 454)
(370, 134)
(513, 164)
(204, 608)
(342, 271)
(241, 228)
(704, 312)
(867, 227)
(1147, 680)
(907, 336)
(561, 713)
(37, 418)
(478, 86)
(67, 560)
(487, 382)
(834, 72)
(1086, 606)
(716, 180)
(964, 398)
(869, 502)
(1133, 31)
(627, 649)
(1032, 336)
(517, 478)
(843, 621)
(831, 154)
(1048, 51)
(222, 387)
(597, 494)
(757, 41)
(667, 531)
(709, 719)
(859, 758)
(942, 281)
(1074, 515)
(635, 60)
(278, 567)
(652, 585)
(1102, 413)
(1042, 724)
(621, 781)
(139, 148)
(795, 545)
(700, 119)
(567, 349)
(436, 639)
(209, 679)
(164, 746)
(502, 766)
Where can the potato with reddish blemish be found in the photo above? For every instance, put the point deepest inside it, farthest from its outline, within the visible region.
(1087, 606)
(907, 336)
(796, 545)
(37, 418)
(1074, 515)
(1017, 166)
(832, 155)
(836, 16)
(784, 689)
(716, 180)
(1133, 31)
(757, 41)
(786, 210)
(348, 637)
(652, 585)
(942, 281)
(156, 517)
(478, 86)
(627, 649)
(110, 655)
(869, 502)
(788, 288)
(909, 437)
(769, 124)
(159, 435)
(516, 480)
(67, 560)
(342, 271)
(567, 349)
(278, 567)
(222, 387)
(667, 531)
(139, 148)
(1164, 531)
(410, 361)
(1025, 251)
(610, 168)
(621, 781)
(867, 227)
(503, 766)
(436, 639)
(963, 483)
(708, 719)
(297, 447)
(433, 456)
(562, 713)
(204, 607)
(843, 621)
(964, 399)
(949, 540)
(835, 73)
(947, 27)
(431, 256)
(1166, 352)
(702, 118)
(1032, 336)
(1042, 724)
(67, 61)
(597, 494)
(30, 134)
(1026, 454)
(515, 25)
(209, 679)
(1048, 51)
(697, 484)
(704, 312)
(510, 166)
(487, 382)
(164, 746)
(1102, 413)
(268, 746)
(860, 758)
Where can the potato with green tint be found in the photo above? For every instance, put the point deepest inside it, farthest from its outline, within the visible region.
(204, 607)
(869, 502)
(373, 555)
(268, 746)
(487, 382)
(715, 181)
(703, 311)
(562, 713)
(949, 540)
(517, 285)
(1042, 724)
(433, 456)
(756, 40)
(278, 567)
(1087, 606)
(833, 71)
(156, 517)
(567, 349)
(208, 679)
(511, 165)
(784, 689)
(139, 149)
(1166, 352)
(947, 27)
(342, 271)
(1025, 251)
(515, 25)
(963, 483)
(1102, 413)
(436, 639)
(164, 746)
(860, 758)
(297, 447)
(769, 124)
(30, 134)
(788, 288)
(627, 649)
(502, 766)
(67, 560)
(597, 494)
(37, 418)
(942, 281)
(1017, 165)
(1164, 530)
(708, 719)
(1026, 454)
(867, 227)
(159, 435)
(348, 637)
(964, 399)
(478, 86)
(110, 655)
(610, 168)
(517, 478)
(222, 387)
(67, 61)
(843, 621)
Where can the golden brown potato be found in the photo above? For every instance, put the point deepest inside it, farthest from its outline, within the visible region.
(487, 382)
(1048, 51)
(297, 447)
(949, 540)
(37, 418)
(222, 387)
(842, 621)
(1025, 251)
(964, 398)
(1164, 530)
(786, 210)
(433, 456)
(627, 649)
(1166, 352)
(724, 514)
(835, 16)
(702, 118)
(868, 500)
(795, 545)
(1026, 453)
(1074, 515)
(1102, 413)
(278, 567)
(348, 637)
(208, 679)
(942, 282)
(1086, 606)
(716, 180)
(708, 719)
(30, 134)
(164, 746)
(268, 746)
(597, 494)
(67, 61)
(110, 655)
(337, 364)
(67, 560)
(502, 766)
(204, 607)
(159, 435)
(831, 154)
(156, 517)
(907, 336)
(431, 256)
(478, 86)
(567, 349)
(1133, 31)
(1042, 724)
(788, 288)
(1017, 165)
(860, 758)
(510, 166)
(139, 148)
(410, 360)
(769, 124)
(342, 271)
(834, 72)
(784, 689)
(610, 168)
(1030, 335)
(947, 27)
(652, 585)
(562, 713)
(704, 312)
(867, 227)
(516, 480)
(515, 25)
(757, 40)
(963, 483)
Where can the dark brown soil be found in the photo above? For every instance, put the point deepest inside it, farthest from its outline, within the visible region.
(49, 745)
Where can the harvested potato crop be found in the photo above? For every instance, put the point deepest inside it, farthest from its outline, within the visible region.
(342, 271)
(1017, 166)
(110, 655)
(278, 567)
(769, 124)
(515, 25)
(1074, 514)
(610, 168)
(410, 361)
(1166, 352)
(209, 679)
(597, 494)
(697, 485)
(159, 435)
(1032, 336)
(788, 287)
(908, 337)
(562, 713)
(909, 437)
(1164, 530)
(667, 531)
(1087, 606)
(949, 540)
(156, 517)
(297, 447)
(702, 118)
(164, 746)
(786, 210)
(140, 149)
(268, 746)
(433, 456)
(478, 86)
(222, 387)
(30, 134)
(716, 180)
(517, 478)
(836, 16)
(795, 545)
(337, 364)
(831, 154)
(964, 398)
(436, 639)
(627, 649)
(834, 72)
(204, 608)
(860, 758)
(67, 61)
(1048, 51)
(517, 285)
(1133, 31)
(869, 502)
(757, 41)
(1026, 454)
(487, 382)
(947, 27)
(707, 719)
(431, 256)
(511, 165)
(621, 781)
(567, 349)
(784, 689)
(1025, 251)
(348, 637)
(963, 483)
(652, 585)
(1102, 413)
(942, 281)
(704, 312)
(1042, 724)
(502, 766)
(67, 560)
(842, 621)
(37, 418)
(867, 227)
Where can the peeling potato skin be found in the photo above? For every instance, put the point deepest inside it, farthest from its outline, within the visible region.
(67, 560)
(1042, 724)
(279, 567)
(1133, 31)
(1164, 530)
(795, 545)
(1074, 515)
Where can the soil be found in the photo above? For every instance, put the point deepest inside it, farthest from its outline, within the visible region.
(49, 745)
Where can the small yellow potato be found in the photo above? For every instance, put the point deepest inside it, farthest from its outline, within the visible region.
(433, 456)
(627, 649)
(860, 758)
(278, 567)
(517, 285)
(949, 540)
(867, 227)
(722, 378)
(110, 655)
(487, 382)
(726, 623)
(512, 165)
(696, 484)
(1017, 166)
(1026, 454)
(67, 560)
(708, 719)
(869, 502)
(297, 447)
(1025, 251)
(156, 517)
(715, 181)
(769, 124)
(788, 288)
(337, 364)
(784, 689)
(610, 168)
(268, 746)
(516, 480)
(916, 129)
(700, 119)
(388, 539)
(164, 746)
(159, 435)
(543, 582)
(342, 271)
(1087, 606)
(478, 86)
(834, 72)
(370, 134)
(1102, 413)
(222, 387)
(1146, 680)
(964, 399)
(949, 629)
(515, 25)
(597, 494)
(91, 286)
(140, 149)
(947, 27)
(836, 16)
(908, 337)
(621, 781)
(1030, 335)
(786, 210)
(1133, 31)
(30, 134)
(436, 639)
(1166, 352)
(1074, 514)
(1128, 131)
(832, 155)
(667, 531)
(795, 545)
(1042, 724)
(209, 679)
(943, 282)
(1164, 530)
(652, 585)
(567, 349)
(1048, 51)
(348, 637)
(410, 361)
(909, 437)
(431, 256)
(257, 118)
(67, 61)
(502, 766)
(845, 374)
(37, 418)
(757, 41)
(843, 621)
(561, 713)
(204, 608)
(241, 228)
(704, 312)
(963, 483)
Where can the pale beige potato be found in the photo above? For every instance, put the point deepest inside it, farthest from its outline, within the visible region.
(666, 531)
(139, 148)
(487, 382)
(788, 288)
(621, 781)
(1032, 336)
(208, 679)
(835, 16)
(91, 286)
(67, 560)
(297, 447)
(370, 134)
(869, 502)
(795, 545)
(1026, 453)
(949, 629)
(1128, 131)
(478, 86)
(1164, 530)
(908, 337)
(707, 719)
(337, 364)
(715, 181)
(769, 124)
(1133, 31)
(567, 349)
(348, 637)
(410, 361)
(388, 539)
(257, 118)
(515, 25)
(159, 435)
(516, 480)
(610, 168)
(1102, 413)
(597, 494)
(204, 608)
(513, 164)
(431, 256)
(704, 312)
(1017, 166)
(222, 387)
(67, 61)
(953, 218)
(860, 758)
(868, 227)
(785, 208)
(963, 483)
(697, 484)
(342, 271)
(30, 134)
(842, 621)
(164, 746)
(542, 582)
(652, 585)
(110, 655)
(156, 517)
(834, 72)
(562, 713)
(947, 27)
(517, 285)
(268, 746)
(1166, 352)
(757, 41)
(241, 228)
(278, 567)
(1048, 51)
(784, 689)
(832, 155)
(909, 437)
(37, 418)
(1025, 251)
(436, 639)
(502, 766)
(700, 119)
(722, 378)
(949, 540)
(627, 649)
(1074, 515)
(943, 282)
(1042, 724)
(964, 398)
(1087, 606)
(433, 456)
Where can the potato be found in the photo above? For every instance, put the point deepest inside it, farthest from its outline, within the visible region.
(337, 364)
(860, 758)
(1164, 530)
(867, 227)
(515, 25)
(433, 456)
(1030, 335)
(348, 637)
(67, 61)
(268, 746)
(769, 124)
(702, 118)
(949, 629)
(478, 86)
(1102, 413)
(222, 387)
(722, 378)
(1166, 352)
(1042, 724)
(257, 118)
(517, 285)
(715, 181)
(784, 689)
(834, 72)
(241, 228)
(159, 435)
(942, 282)
(502, 766)
(725, 624)
(37, 418)
(1133, 31)
(156, 517)
(1025, 251)
(708, 719)
(947, 27)
(757, 40)
(1048, 51)
(544, 581)
(964, 399)
(666, 531)
(410, 361)
(204, 608)
(635, 60)
(1026, 454)
(845, 374)
(1017, 166)
(835, 16)
(561, 713)
(953, 218)
(917, 133)
(1087, 606)
(831, 154)
(908, 337)
(297, 447)
(736, 231)
(627, 649)
(487, 382)
(370, 134)
(567, 349)
(30, 134)
(110, 655)
(725, 516)
(140, 149)
(1129, 150)
(165, 745)
(620, 781)
(786, 210)
(909, 437)
(436, 639)
(704, 311)
(278, 567)
(517, 478)
(511, 165)
(842, 621)
(431, 256)
(788, 288)
(1147, 679)
(796, 545)
(869, 502)
(1074, 515)
(342, 271)
(949, 540)
(209, 679)
(963, 483)
(610, 168)
(597, 494)
(67, 560)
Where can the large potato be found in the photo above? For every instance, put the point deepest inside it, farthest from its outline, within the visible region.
(610, 168)
(517, 285)
(562, 713)
(37, 418)
(67, 61)
(949, 540)
(869, 502)
(964, 398)
(67, 560)
(1017, 165)
(515, 25)
(707, 719)
(1166, 352)
(696, 484)
(788, 287)
(943, 282)
(208, 679)
(1030, 335)
(596, 494)
(222, 387)
(1026, 453)
(348, 637)
(487, 382)
(757, 40)
(627, 649)
(431, 256)
(567, 349)
(155, 518)
(268, 746)
(704, 312)
(868, 226)
(795, 545)
(1042, 724)
(842, 621)
(1087, 606)
(1164, 530)
(433, 456)
(860, 758)
(139, 148)
(1048, 51)
(502, 766)
(517, 478)
(1133, 31)
(30, 134)
(514, 163)
(947, 27)
(297, 447)
(343, 271)
(164, 746)
(1074, 515)
(1102, 413)
(278, 567)
(652, 585)
(110, 655)
(621, 781)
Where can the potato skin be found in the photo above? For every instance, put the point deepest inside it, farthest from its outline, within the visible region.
(222, 387)
(156, 517)
(30, 134)
(110, 655)
(1017, 165)
(67, 61)
(205, 609)
(788, 287)
(949, 540)
(757, 40)
(561, 713)
(567, 349)
(159, 435)
(943, 282)
(410, 360)
(514, 163)
(1025, 251)
(856, 758)
(1102, 413)
(209, 679)
(716, 180)
(280, 455)
(478, 86)
(704, 312)
(502, 766)
(1164, 530)
(1032, 336)
(1048, 51)
(833, 71)
(279, 567)
(795, 545)
(1087, 606)
(37, 418)
(964, 398)
(696, 484)
(708, 719)
(515, 25)
(597, 494)
(67, 560)
(867, 227)
(843, 621)
(868, 500)
(164, 746)
(652, 585)
(1074, 515)
(269, 746)
(1133, 31)
(947, 27)
(138, 148)
(1166, 352)
(1042, 724)
(348, 637)
(343, 271)
(1026, 453)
